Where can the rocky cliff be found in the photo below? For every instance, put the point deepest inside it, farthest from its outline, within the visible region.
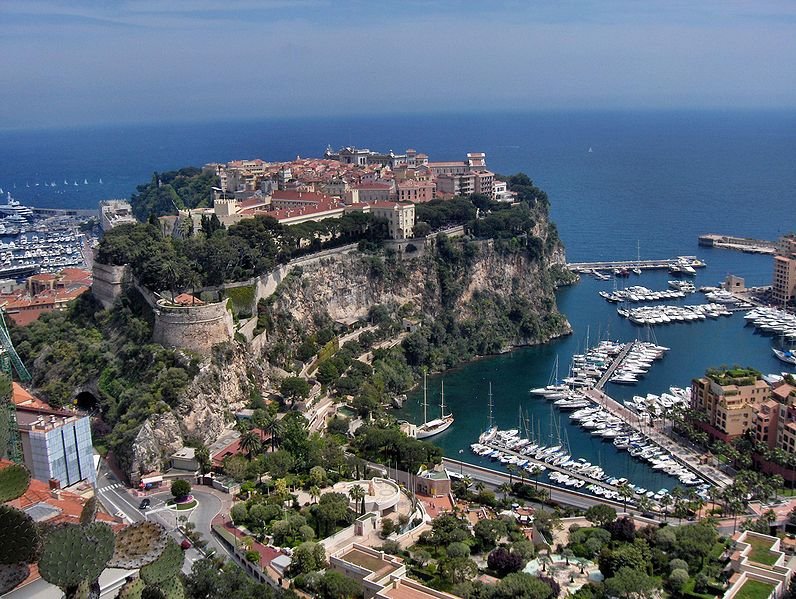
(205, 408)
(467, 281)
(479, 284)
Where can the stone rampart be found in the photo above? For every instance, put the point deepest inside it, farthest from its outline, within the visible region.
(195, 328)
(109, 282)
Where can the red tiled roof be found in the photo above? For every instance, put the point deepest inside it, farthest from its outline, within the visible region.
(186, 299)
(233, 448)
(21, 397)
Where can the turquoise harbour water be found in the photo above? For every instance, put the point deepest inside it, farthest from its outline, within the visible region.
(656, 179)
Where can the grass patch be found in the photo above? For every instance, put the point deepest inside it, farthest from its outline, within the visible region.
(186, 505)
(761, 551)
(754, 589)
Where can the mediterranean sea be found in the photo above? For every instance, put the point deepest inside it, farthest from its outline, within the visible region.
(652, 180)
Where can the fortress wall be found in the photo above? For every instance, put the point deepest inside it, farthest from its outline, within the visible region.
(195, 328)
(109, 282)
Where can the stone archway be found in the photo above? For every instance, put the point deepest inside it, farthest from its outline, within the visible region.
(87, 402)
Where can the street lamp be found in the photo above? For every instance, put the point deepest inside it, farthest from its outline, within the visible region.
(461, 463)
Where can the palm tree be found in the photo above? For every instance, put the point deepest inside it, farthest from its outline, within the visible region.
(665, 502)
(625, 492)
(512, 471)
(479, 486)
(273, 426)
(505, 488)
(357, 494)
(202, 456)
(315, 493)
(535, 472)
(250, 443)
(467, 480)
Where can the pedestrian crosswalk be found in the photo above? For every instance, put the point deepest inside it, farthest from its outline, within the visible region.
(110, 487)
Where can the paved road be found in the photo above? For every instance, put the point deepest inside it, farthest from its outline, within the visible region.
(494, 479)
(116, 498)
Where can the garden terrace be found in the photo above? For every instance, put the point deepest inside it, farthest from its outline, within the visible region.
(754, 589)
(761, 552)
(733, 376)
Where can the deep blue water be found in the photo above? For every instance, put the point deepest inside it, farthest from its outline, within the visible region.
(656, 179)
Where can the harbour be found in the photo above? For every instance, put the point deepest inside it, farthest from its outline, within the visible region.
(694, 348)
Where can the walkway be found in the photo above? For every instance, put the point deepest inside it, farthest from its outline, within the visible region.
(686, 457)
(614, 365)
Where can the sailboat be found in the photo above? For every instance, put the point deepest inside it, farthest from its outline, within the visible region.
(637, 269)
(430, 428)
(100, 181)
(85, 181)
(491, 429)
(554, 388)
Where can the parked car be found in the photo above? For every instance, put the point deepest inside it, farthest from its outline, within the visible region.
(144, 503)
(186, 544)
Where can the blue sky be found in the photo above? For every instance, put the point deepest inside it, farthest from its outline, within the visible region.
(78, 62)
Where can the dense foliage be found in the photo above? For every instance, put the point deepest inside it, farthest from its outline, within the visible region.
(251, 247)
(174, 190)
(108, 357)
(390, 445)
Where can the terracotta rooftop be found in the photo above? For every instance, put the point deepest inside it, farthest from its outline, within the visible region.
(22, 398)
(186, 299)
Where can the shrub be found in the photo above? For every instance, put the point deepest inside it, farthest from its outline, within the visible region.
(180, 488)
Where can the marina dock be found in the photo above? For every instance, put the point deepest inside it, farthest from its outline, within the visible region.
(665, 264)
(685, 457)
(742, 244)
(550, 467)
(614, 365)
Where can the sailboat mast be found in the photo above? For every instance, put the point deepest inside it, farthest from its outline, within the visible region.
(442, 402)
(425, 398)
(491, 416)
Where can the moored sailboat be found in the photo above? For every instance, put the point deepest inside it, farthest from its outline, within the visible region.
(430, 428)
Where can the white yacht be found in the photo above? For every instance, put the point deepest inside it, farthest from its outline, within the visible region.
(429, 428)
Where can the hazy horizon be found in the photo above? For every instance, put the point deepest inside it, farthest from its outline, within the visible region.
(80, 63)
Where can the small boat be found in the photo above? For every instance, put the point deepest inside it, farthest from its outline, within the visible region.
(787, 356)
(85, 181)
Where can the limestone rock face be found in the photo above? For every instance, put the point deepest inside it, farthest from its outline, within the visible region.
(158, 436)
(348, 285)
(204, 411)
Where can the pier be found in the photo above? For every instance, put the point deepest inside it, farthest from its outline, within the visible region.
(684, 456)
(742, 244)
(534, 461)
(614, 365)
(629, 264)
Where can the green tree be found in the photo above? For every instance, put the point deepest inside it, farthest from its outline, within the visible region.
(250, 443)
(629, 583)
(180, 488)
(600, 514)
(307, 557)
(677, 580)
(357, 495)
(294, 388)
(520, 585)
(334, 585)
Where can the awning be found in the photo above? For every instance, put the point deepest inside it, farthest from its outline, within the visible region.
(149, 480)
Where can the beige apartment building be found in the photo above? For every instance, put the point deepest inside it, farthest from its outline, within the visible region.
(783, 285)
(729, 400)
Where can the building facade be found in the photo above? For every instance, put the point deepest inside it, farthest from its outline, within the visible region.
(783, 285)
(56, 445)
(729, 401)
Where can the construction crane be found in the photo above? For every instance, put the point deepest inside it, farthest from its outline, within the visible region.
(10, 362)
